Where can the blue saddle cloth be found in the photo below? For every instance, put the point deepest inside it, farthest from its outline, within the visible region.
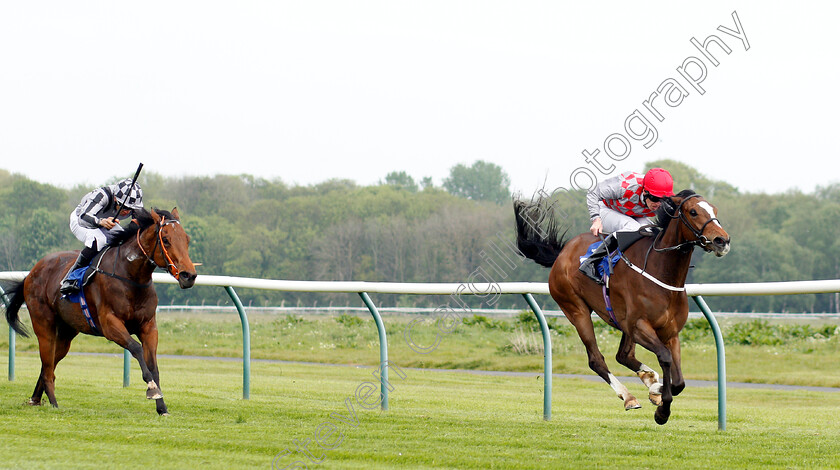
(78, 297)
(602, 265)
(77, 275)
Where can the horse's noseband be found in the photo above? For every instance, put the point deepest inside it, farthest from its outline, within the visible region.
(170, 266)
(700, 240)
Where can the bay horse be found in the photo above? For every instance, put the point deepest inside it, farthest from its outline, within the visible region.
(121, 298)
(649, 302)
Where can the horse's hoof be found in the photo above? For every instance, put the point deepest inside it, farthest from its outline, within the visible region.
(33, 402)
(632, 405)
(154, 394)
(660, 419)
(655, 398)
(164, 414)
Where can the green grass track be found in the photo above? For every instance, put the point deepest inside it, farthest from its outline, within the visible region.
(436, 420)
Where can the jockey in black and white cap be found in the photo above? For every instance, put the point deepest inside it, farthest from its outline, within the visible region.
(95, 220)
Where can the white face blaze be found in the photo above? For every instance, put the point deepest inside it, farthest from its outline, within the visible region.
(703, 205)
(708, 208)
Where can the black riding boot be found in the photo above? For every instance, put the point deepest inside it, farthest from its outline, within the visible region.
(590, 265)
(85, 257)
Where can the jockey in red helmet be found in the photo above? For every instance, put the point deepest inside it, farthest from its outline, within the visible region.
(624, 202)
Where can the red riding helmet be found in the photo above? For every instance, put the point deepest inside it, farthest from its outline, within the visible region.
(659, 182)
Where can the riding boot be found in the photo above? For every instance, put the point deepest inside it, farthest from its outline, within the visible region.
(589, 266)
(69, 286)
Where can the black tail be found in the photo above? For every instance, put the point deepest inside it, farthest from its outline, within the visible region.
(536, 232)
(13, 299)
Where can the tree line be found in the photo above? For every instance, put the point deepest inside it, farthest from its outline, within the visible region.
(402, 231)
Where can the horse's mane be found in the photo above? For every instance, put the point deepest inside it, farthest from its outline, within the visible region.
(142, 219)
(666, 212)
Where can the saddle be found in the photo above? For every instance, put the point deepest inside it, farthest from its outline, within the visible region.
(597, 265)
(84, 275)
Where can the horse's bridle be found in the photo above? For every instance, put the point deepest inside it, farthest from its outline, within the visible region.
(170, 266)
(700, 239)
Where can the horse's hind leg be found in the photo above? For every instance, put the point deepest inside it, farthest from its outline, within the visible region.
(44, 326)
(646, 336)
(583, 324)
(626, 356)
(55, 348)
(46, 381)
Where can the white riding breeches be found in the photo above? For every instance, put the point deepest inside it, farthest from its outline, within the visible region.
(87, 236)
(614, 221)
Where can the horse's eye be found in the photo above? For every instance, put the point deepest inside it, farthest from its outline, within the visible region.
(693, 213)
(165, 240)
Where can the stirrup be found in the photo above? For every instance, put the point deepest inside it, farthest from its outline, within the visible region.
(590, 269)
(69, 287)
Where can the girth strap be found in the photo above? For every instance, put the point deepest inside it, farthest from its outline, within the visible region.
(606, 288)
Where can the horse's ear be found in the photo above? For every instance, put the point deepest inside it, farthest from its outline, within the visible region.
(154, 215)
(175, 213)
(671, 204)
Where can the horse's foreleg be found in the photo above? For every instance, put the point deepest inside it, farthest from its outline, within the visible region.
(646, 336)
(583, 324)
(677, 379)
(114, 330)
(626, 356)
(149, 337)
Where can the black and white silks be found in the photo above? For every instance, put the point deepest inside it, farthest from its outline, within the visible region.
(99, 204)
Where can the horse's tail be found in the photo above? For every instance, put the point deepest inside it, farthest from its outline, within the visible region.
(14, 293)
(541, 245)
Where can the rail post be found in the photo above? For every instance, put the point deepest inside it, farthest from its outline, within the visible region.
(246, 344)
(126, 368)
(11, 340)
(383, 349)
(721, 360)
(547, 346)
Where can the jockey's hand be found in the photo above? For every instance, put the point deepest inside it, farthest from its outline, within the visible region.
(109, 223)
(595, 229)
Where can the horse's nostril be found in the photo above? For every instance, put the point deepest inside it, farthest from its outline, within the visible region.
(719, 241)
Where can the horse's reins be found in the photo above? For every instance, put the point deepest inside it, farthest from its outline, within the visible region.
(170, 266)
(114, 270)
(700, 241)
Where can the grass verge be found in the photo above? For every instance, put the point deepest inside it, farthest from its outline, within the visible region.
(436, 420)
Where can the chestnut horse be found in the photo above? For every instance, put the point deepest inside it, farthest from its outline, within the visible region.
(121, 298)
(649, 302)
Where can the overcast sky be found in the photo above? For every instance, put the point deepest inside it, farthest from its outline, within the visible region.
(310, 90)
